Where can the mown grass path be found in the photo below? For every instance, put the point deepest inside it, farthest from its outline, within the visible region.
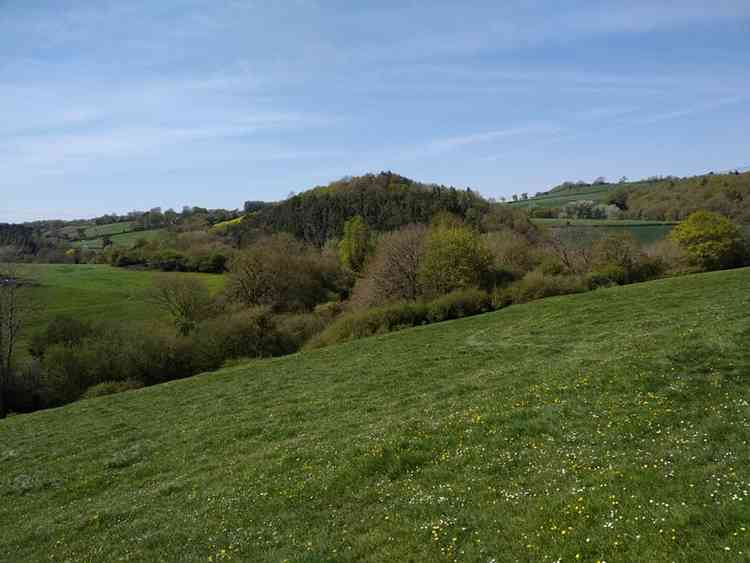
(612, 425)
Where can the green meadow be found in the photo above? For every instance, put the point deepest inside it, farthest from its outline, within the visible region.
(124, 239)
(96, 292)
(646, 232)
(559, 198)
(606, 426)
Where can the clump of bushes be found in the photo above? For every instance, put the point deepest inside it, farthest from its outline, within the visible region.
(388, 318)
(537, 285)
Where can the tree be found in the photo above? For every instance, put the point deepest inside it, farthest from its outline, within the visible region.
(619, 197)
(455, 258)
(710, 240)
(14, 308)
(392, 274)
(185, 298)
(284, 274)
(355, 245)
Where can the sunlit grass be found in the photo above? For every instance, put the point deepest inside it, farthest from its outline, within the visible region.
(607, 426)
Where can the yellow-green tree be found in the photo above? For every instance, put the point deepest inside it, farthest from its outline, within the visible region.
(710, 240)
(355, 245)
(455, 257)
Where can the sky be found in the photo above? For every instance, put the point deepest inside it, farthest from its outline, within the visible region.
(110, 106)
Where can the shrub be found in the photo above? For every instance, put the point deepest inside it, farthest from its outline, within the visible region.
(186, 299)
(391, 274)
(61, 330)
(669, 255)
(110, 388)
(296, 329)
(355, 244)
(457, 304)
(377, 320)
(605, 276)
(455, 258)
(710, 240)
(252, 333)
(512, 251)
(380, 320)
(284, 274)
(537, 285)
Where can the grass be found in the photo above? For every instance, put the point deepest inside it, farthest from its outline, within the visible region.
(96, 292)
(604, 222)
(124, 240)
(647, 232)
(597, 194)
(611, 425)
(96, 231)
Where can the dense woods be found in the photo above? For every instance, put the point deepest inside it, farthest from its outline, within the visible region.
(674, 199)
(385, 202)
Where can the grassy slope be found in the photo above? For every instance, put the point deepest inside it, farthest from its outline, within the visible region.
(125, 240)
(559, 198)
(96, 292)
(613, 425)
(646, 232)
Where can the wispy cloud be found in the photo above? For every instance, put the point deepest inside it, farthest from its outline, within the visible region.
(451, 143)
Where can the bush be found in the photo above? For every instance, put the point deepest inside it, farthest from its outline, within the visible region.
(252, 333)
(512, 251)
(605, 276)
(380, 320)
(455, 257)
(710, 240)
(110, 388)
(462, 303)
(284, 274)
(61, 330)
(537, 285)
(297, 329)
(391, 274)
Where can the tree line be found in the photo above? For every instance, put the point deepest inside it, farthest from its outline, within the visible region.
(284, 294)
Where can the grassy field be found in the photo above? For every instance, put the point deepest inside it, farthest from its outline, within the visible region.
(607, 426)
(647, 232)
(96, 292)
(224, 225)
(125, 240)
(558, 199)
(96, 231)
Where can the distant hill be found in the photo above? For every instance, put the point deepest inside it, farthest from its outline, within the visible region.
(659, 198)
(386, 201)
(607, 426)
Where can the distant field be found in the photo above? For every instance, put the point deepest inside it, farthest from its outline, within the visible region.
(647, 232)
(96, 292)
(95, 231)
(608, 426)
(125, 240)
(219, 227)
(558, 199)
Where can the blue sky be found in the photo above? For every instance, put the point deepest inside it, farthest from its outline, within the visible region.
(113, 106)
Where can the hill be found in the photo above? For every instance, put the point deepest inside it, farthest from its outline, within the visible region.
(558, 197)
(657, 199)
(385, 201)
(611, 426)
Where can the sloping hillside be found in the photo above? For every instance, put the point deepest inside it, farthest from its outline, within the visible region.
(612, 425)
(659, 199)
(386, 201)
